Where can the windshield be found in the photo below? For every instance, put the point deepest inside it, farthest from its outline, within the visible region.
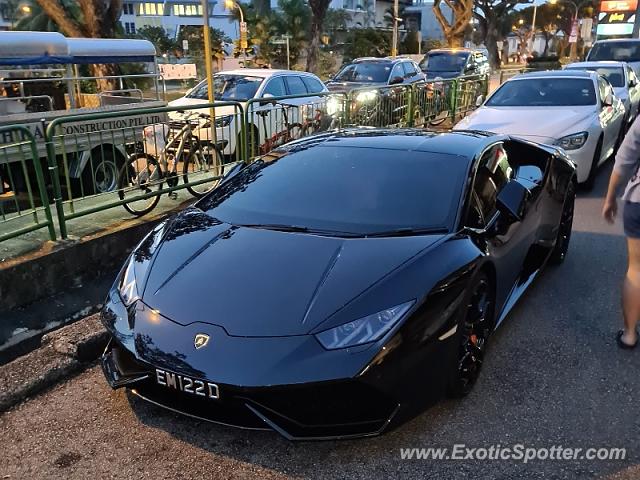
(228, 87)
(344, 189)
(618, 51)
(615, 75)
(444, 62)
(544, 92)
(365, 72)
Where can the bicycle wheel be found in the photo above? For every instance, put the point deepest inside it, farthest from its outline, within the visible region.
(140, 175)
(202, 166)
(294, 131)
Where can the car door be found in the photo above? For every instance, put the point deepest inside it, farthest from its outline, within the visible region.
(293, 106)
(266, 114)
(610, 121)
(506, 241)
(634, 90)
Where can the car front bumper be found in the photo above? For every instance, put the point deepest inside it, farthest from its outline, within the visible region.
(283, 384)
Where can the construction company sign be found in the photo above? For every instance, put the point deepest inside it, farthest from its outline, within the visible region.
(77, 135)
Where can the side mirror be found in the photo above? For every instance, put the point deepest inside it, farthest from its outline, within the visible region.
(479, 101)
(232, 172)
(266, 99)
(396, 80)
(608, 100)
(512, 200)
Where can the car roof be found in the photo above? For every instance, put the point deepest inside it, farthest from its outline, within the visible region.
(453, 50)
(556, 74)
(380, 59)
(262, 72)
(604, 63)
(459, 143)
(619, 40)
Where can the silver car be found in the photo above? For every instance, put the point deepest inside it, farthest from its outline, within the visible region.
(623, 80)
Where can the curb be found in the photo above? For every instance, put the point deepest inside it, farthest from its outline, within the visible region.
(62, 353)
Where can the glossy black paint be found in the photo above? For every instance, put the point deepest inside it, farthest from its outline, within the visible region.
(261, 295)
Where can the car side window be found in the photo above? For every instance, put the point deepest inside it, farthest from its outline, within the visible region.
(313, 85)
(397, 72)
(295, 85)
(494, 172)
(275, 87)
(633, 79)
(603, 88)
(409, 72)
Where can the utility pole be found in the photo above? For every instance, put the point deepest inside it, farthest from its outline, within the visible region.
(533, 29)
(394, 44)
(209, 66)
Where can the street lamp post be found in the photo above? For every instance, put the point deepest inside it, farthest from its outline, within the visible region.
(230, 5)
(574, 22)
(394, 43)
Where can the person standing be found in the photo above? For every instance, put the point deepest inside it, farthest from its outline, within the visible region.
(626, 171)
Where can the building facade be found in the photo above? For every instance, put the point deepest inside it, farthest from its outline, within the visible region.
(420, 17)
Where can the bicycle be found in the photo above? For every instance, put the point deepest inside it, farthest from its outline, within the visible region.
(156, 160)
(292, 131)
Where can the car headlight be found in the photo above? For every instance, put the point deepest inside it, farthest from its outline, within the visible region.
(333, 106)
(364, 330)
(366, 96)
(128, 287)
(224, 121)
(574, 141)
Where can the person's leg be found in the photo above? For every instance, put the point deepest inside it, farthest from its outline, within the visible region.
(631, 293)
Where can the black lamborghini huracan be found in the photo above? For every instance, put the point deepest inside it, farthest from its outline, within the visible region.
(340, 284)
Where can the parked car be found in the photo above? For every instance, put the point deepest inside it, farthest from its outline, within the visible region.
(375, 72)
(618, 50)
(575, 110)
(623, 80)
(303, 326)
(454, 62)
(246, 84)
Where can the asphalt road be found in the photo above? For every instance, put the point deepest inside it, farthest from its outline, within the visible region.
(553, 377)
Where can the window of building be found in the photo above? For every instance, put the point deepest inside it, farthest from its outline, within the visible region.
(130, 28)
(151, 9)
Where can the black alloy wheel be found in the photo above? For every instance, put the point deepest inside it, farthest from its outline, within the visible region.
(473, 334)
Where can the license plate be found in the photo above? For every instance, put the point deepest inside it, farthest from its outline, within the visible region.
(191, 386)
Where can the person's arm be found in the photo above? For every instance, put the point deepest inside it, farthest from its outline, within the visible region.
(627, 160)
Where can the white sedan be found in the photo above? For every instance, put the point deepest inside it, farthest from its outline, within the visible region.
(623, 80)
(575, 110)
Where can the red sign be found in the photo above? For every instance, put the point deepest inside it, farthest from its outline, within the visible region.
(618, 5)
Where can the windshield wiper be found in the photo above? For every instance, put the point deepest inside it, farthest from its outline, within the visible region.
(298, 229)
(406, 232)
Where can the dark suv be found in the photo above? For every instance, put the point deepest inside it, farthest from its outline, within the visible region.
(375, 72)
(454, 62)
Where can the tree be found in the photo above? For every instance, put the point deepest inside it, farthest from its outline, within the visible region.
(318, 12)
(159, 37)
(365, 42)
(195, 37)
(335, 20)
(454, 30)
(490, 15)
(293, 19)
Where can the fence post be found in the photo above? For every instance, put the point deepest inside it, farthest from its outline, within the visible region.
(454, 101)
(44, 196)
(55, 179)
(347, 108)
(410, 117)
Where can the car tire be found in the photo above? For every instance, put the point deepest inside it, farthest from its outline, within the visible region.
(474, 328)
(100, 175)
(591, 179)
(561, 246)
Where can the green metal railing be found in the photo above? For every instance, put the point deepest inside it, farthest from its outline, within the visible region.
(92, 156)
(24, 202)
(98, 161)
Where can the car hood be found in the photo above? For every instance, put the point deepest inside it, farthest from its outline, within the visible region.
(190, 102)
(442, 74)
(545, 123)
(263, 283)
(347, 86)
